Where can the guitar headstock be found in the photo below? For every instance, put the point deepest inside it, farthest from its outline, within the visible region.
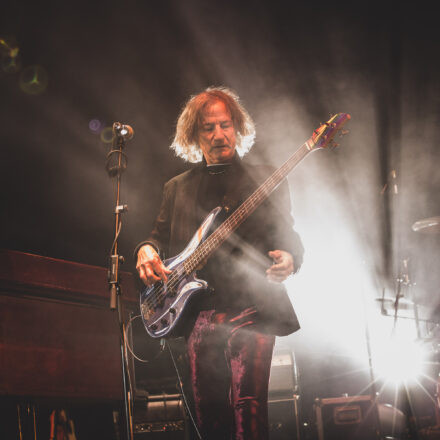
(323, 136)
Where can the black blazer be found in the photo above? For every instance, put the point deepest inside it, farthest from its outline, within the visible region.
(269, 227)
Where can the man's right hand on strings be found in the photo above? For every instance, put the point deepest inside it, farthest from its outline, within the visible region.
(150, 267)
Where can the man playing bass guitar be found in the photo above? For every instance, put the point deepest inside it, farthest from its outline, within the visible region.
(230, 331)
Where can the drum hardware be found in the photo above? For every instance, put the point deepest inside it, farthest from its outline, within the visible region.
(388, 303)
(400, 306)
(405, 310)
(431, 225)
(403, 285)
(392, 306)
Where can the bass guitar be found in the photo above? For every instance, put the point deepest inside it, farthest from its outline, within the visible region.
(163, 304)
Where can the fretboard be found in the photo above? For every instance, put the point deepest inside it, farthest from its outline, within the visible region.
(204, 251)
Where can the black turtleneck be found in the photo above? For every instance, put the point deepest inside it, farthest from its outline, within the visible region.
(216, 182)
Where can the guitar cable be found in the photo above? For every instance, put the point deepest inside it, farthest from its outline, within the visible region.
(185, 401)
(163, 343)
(130, 349)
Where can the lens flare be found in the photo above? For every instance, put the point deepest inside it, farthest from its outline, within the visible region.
(95, 126)
(8, 46)
(9, 54)
(11, 64)
(399, 360)
(107, 135)
(33, 80)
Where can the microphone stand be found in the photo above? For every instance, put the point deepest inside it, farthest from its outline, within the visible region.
(116, 164)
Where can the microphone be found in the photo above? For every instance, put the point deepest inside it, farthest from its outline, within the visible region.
(123, 131)
(116, 158)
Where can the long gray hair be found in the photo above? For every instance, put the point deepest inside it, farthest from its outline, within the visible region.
(186, 142)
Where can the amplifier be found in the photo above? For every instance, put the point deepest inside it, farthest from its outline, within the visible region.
(283, 380)
(159, 416)
(348, 418)
(284, 414)
(284, 419)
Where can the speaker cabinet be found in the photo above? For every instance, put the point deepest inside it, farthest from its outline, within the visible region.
(284, 414)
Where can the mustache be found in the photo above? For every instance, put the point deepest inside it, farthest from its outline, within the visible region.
(221, 145)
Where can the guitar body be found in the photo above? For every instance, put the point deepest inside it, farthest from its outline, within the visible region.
(162, 305)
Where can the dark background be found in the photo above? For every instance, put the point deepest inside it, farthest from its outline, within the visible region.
(292, 63)
(137, 62)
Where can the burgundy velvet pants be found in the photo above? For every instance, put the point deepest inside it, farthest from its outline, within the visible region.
(230, 366)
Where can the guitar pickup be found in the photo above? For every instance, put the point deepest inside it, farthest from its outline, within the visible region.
(147, 312)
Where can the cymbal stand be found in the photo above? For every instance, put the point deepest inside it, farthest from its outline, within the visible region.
(403, 281)
(116, 164)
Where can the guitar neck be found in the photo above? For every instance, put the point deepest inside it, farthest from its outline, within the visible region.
(204, 251)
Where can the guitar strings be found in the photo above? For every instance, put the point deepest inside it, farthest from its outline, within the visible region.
(157, 295)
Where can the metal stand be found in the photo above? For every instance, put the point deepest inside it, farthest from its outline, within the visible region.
(296, 397)
(115, 166)
(373, 391)
(403, 286)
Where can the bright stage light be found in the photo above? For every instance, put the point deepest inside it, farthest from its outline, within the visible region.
(399, 361)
